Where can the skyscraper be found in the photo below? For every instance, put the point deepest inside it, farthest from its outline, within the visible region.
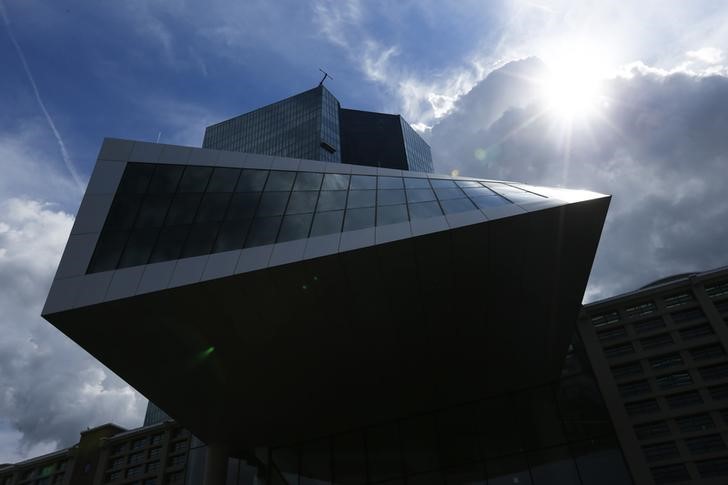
(659, 356)
(312, 125)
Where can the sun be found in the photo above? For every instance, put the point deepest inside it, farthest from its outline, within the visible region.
(573, 88)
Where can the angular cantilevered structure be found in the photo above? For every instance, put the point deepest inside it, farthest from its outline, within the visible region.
(263, 300)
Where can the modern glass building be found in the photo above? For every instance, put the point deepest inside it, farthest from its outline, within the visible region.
(660, 360)
(312, 125)
(341, 323)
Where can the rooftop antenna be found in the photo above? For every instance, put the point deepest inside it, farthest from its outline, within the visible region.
(326, 75)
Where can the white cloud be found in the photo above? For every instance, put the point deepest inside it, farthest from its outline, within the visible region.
(660, 149)
(709, 55)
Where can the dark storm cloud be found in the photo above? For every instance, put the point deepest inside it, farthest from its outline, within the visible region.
(660, 148)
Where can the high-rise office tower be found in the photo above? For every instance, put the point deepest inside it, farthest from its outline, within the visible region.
(659, 357)
(312, 125)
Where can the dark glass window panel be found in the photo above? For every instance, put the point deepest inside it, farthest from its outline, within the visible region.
(390, 197)
(280, 181)
(612, 334)
(446, 194)
(649, 325)
(136, 178)
(666, 361)
(467, 475)
(618, 350)
(331, 200)
(670, 473)
(420, 195)
(539, 418)
(490, 201)
(242, 206)
(170, 242)
(508, 470)
(315, 463)
(138, 248)
(707, 352)
(201, 239)
(389, 183)
(467, 183)
(600, 462)
(349, 460)
(695, 422)
(554, 466)
(327, 223)
(636, 388)
(683, 399)
(302, 202)
(391, 214)
(263, 231)
(652, 430)
(696, 332)
(423, 210)
(479, 192)
(719, 393)
(656, 341)
(153, 211)
(459, 436)
(335, 181)
(660, 451)
(501, 432)
(672, 381)
(705, 444)
(183, 209)
(223, 180)
(631, 369)
(213, 207)
(123, 211)
(308, 181)
(295, 227)
(717, 467)
(195, 179)
(359, 218)
(420, 443)
(687, 315)
(165, 179)
(361, 198)
(108, 251)
(251, 180)
(457, 205)
(713, 372)
(232, 235)
(384, 452)
(443, 184)
(416, 183)
(272, 204)
(642, 407)
(363, 182)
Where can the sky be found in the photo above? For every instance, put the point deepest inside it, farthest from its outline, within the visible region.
(624, 98)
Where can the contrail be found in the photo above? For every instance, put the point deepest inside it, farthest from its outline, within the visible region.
(61, 145)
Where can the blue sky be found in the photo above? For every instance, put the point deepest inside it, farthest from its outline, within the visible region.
(630, 100)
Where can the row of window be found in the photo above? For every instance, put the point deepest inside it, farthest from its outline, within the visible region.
(667, 361)
(658, 341)
(685, 424)
(698, 445)
(676, 401)
(678, 472)
(672, 381)
(648, 326)
(151, 467)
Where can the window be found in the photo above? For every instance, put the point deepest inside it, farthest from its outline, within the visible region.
(156, 439)
(615, 333)
(140, 443)
(684, 399)
(113, 476)
(604, 319)
(672, 381)
(657, 341)
(618, 350)
(153, 467)
(660, 451)
(136, 457)
(687, 315)
(719, 393)
(696, 332)
(177, 460)
(635, 388)
(642, 407)
(666, 361)
(180, 446)
(705, 444)
(695, 422)
(117, 462)
(640, 309)
(714, 372)
(717, 467)
(633, 368)
(715, 290)
(649, 325)
(707, 352)
(673, 301)
(651, 430)
(134, 471)
(670, 473)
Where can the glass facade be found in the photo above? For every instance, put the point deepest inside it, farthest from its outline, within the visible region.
(303, 126)
(419, 156)
(163, 212)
